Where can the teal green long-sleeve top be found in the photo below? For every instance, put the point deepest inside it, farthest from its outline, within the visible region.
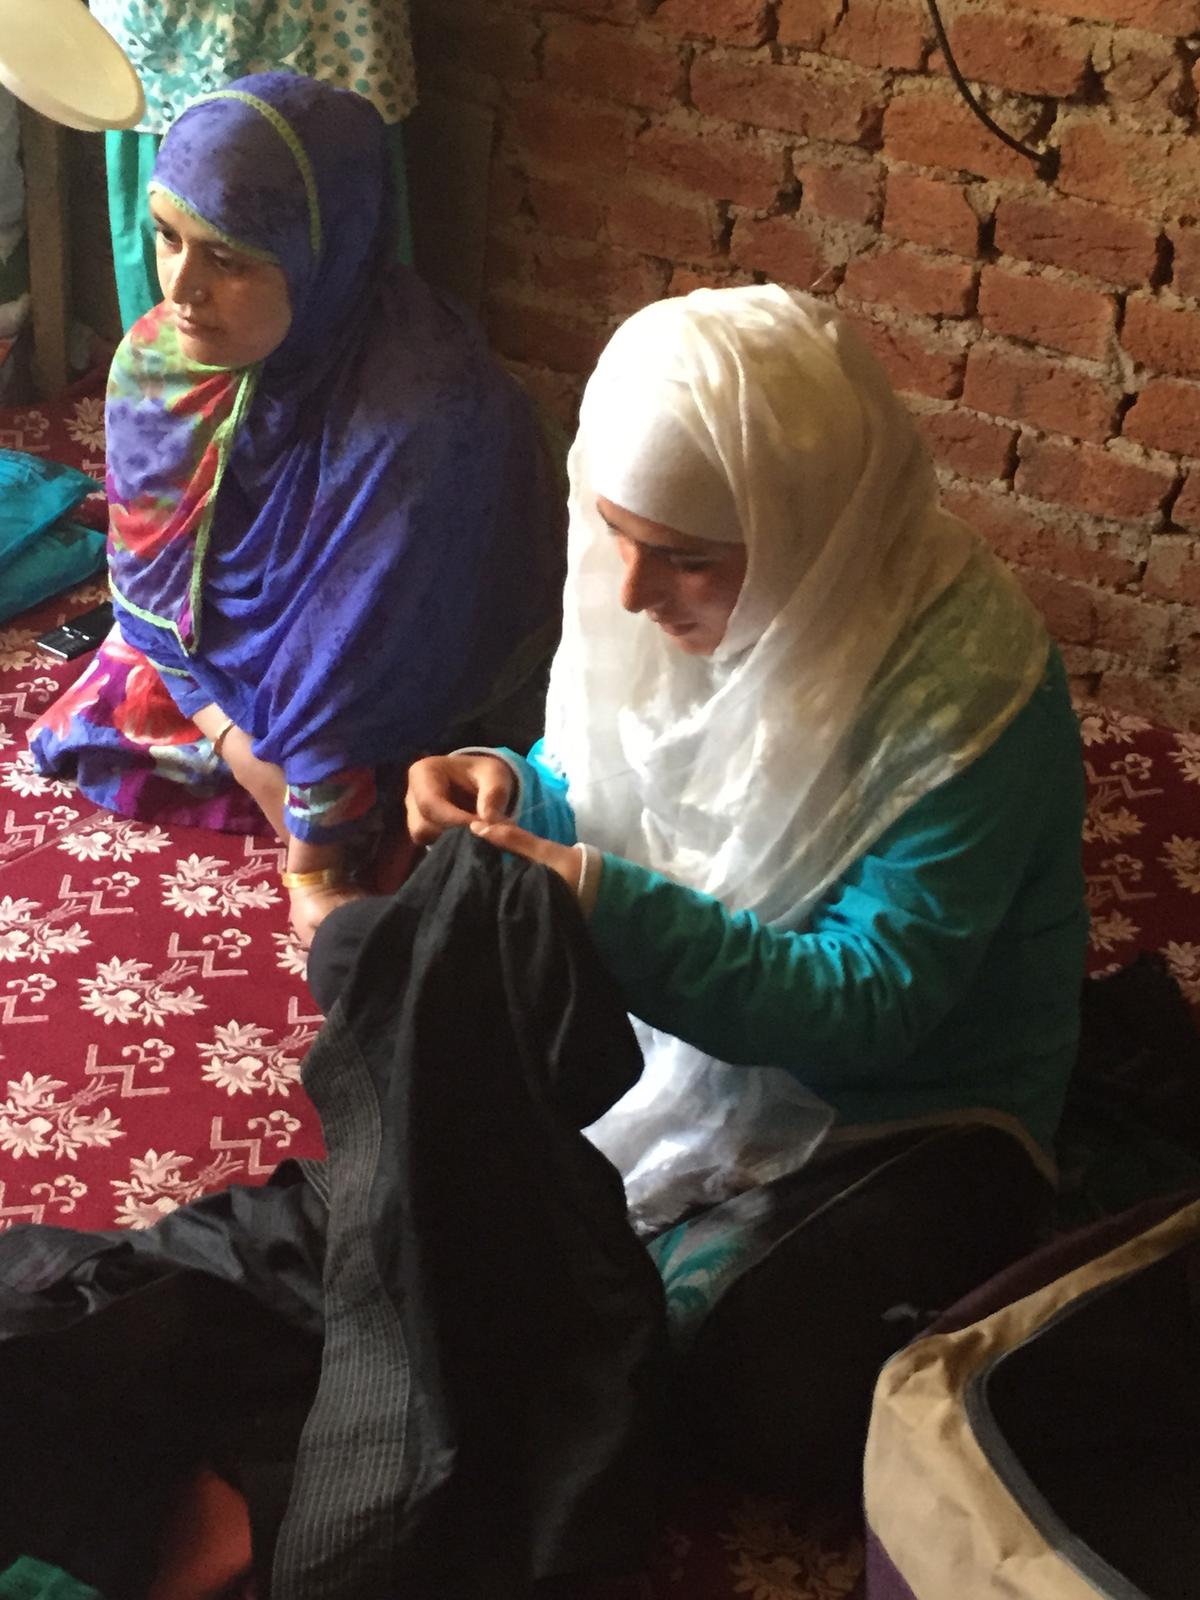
(941, 972)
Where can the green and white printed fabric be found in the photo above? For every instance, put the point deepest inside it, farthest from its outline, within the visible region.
(186, 48)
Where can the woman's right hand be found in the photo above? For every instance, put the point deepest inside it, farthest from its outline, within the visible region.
(454, 791)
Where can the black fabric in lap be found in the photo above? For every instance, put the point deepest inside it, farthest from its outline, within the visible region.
(453, 1307)
(487, 1412)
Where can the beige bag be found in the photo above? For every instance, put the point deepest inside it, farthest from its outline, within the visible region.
(1043, 1442)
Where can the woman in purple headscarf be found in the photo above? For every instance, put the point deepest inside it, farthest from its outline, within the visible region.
(335, 530)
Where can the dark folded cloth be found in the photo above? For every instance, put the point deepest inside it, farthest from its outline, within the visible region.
(432, 1363)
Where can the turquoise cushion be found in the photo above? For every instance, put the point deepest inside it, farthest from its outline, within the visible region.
(41, 553)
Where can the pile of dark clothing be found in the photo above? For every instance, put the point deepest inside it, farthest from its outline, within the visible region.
(432, 1363)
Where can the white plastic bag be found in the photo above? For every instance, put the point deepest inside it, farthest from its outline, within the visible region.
(694, 1131)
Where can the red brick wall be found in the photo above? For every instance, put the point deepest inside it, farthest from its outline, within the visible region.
(1044, 324)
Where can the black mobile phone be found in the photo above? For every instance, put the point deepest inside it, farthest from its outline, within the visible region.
(81, 634)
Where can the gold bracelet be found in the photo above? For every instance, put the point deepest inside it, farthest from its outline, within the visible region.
(325, 878)
(230, 725)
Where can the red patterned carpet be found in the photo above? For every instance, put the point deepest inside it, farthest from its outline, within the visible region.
(153, 1011)
(1142, 844)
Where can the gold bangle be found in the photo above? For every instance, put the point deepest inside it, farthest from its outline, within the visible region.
(326, 878)
(230, 725)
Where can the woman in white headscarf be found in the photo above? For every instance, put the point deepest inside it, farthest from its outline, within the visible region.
(811, 765)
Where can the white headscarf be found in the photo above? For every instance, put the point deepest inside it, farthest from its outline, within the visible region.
(876, 647)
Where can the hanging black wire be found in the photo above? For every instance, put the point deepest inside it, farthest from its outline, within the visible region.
(963, 88)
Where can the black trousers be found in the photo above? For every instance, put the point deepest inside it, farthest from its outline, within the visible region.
(857, 1253)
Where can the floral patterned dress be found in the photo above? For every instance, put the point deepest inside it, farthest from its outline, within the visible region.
(186, 48)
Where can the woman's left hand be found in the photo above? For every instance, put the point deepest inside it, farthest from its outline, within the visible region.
(310, 907)
(561, 858)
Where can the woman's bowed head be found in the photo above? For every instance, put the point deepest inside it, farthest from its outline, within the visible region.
(687, 587)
